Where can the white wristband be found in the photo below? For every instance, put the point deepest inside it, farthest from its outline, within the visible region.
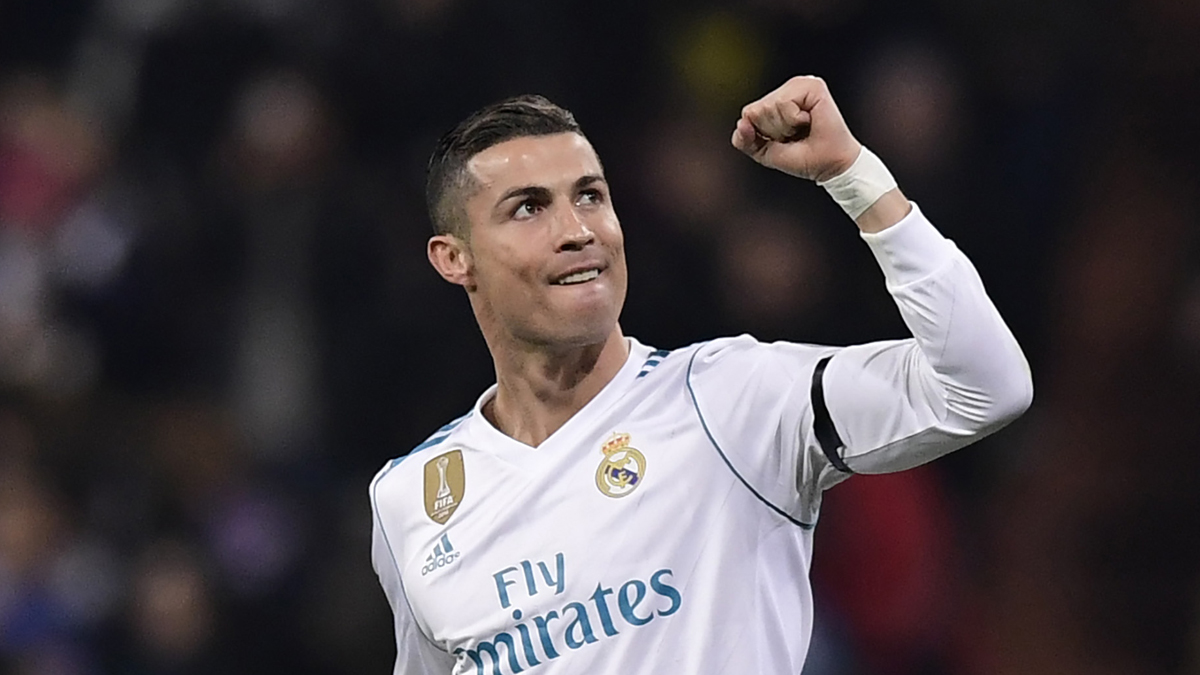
(860, 186)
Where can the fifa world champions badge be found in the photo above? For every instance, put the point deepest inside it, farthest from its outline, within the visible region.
(445, 483)
(623, 467)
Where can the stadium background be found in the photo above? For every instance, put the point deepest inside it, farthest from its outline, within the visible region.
(216, 320)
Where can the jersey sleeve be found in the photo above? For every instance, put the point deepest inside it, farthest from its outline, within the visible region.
(416, 654)
(961, 377)
(793, 420)
(752, 399)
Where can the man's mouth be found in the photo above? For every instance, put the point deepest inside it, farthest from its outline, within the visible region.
(583, 276)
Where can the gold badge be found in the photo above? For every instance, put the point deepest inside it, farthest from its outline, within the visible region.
(445, 483)
(622, 469)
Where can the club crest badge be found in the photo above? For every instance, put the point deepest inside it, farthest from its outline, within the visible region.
(445, 483)
(623, 467)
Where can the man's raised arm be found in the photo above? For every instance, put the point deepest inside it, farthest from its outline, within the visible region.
(888, 406)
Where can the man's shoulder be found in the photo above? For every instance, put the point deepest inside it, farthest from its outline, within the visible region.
(729, 357)
(419, 455)
(680, 357)
(729, 367)
(740, 351)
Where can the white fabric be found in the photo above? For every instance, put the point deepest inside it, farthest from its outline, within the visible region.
(860, 186)
(703, 567)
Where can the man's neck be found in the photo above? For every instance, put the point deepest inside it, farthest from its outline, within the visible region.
(538, 391)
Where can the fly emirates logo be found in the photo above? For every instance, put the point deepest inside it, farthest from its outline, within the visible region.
(533, 640)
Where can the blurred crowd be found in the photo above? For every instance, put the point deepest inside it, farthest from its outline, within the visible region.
(217, 322)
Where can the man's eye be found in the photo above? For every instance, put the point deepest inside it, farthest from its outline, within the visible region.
(591, 197)
(526, 209)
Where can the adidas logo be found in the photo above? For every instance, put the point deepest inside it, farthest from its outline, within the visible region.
(443, 554)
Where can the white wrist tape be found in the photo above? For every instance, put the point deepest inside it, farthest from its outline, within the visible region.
(860, 186)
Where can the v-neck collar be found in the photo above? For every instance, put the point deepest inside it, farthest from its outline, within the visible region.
(494, 438)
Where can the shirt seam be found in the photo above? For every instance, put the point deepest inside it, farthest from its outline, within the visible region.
(717, 446)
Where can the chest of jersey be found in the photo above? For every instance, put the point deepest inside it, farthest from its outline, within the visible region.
(594, 534)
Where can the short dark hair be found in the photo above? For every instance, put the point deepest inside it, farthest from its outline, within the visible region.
(517, 117)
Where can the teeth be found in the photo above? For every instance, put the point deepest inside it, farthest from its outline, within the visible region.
(578, 277)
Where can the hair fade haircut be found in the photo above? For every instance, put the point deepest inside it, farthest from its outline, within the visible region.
(447, 177)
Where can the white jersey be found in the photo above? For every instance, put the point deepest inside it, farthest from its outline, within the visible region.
(667, 526)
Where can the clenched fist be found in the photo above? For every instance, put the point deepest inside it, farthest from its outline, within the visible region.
(799, 130)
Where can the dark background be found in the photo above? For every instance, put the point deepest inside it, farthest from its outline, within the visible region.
(217, 322)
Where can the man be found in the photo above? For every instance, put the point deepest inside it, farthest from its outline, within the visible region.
(607, 507)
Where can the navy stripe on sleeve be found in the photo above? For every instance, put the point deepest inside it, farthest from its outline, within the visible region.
(827, 434)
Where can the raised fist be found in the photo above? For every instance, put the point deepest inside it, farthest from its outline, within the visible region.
(797, 129)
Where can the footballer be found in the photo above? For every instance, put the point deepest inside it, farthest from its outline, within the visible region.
(611, 507)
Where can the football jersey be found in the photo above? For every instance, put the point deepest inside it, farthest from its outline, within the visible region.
(668, 525)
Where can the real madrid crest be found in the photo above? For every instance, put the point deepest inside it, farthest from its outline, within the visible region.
(623, 467)
(445, 483)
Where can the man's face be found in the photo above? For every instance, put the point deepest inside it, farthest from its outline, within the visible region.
(546, 259)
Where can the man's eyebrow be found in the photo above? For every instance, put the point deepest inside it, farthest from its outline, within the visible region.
(543, 193)
(589, 179)
(526, 191)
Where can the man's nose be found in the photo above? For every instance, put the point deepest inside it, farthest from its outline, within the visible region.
(574, 233)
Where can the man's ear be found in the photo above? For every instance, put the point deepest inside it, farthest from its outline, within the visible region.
(451, 257)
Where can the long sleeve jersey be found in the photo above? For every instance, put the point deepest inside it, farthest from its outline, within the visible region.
(667, 526)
